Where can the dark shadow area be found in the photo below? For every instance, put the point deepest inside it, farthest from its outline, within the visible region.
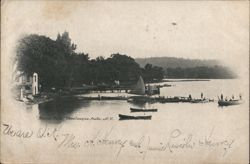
(138, 104)
(57, 110)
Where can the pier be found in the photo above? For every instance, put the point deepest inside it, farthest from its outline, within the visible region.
(147, 99)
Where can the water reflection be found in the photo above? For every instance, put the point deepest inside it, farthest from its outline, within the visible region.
(57, 110)
(139, 104)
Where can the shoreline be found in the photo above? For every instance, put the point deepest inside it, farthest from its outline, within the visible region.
(50, 96)
(185, 80)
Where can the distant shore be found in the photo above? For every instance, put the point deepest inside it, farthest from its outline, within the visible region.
(182, 80)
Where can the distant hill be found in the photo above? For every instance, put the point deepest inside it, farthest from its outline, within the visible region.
(173, 62)
(189, 68)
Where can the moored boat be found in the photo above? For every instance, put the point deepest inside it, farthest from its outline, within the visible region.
(142, 110)
(230, 102)
(139, 88)
(128, 117)
(199, 101)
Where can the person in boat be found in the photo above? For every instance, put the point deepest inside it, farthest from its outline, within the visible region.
(190, 97)
(201, 95)
(240, 97)
(232, 97)
(221, 96)
(226, 99)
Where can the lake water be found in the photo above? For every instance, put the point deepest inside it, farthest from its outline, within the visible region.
(74, 107)
(88, 119)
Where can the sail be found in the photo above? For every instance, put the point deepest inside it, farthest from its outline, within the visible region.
(139, 87)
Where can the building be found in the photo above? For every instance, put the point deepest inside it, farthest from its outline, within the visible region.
(35, 84)
(26, 85)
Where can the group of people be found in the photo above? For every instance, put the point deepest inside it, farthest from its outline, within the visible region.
(190, 97)
(231, 99)
(221, 97)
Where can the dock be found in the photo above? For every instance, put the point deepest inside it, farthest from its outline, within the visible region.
(146, 99)
(104, 88)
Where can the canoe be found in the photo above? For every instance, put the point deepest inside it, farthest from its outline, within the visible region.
(127, 117)
(230, 102)
(142, 110)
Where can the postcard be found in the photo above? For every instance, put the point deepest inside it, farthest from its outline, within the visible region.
(124, 82)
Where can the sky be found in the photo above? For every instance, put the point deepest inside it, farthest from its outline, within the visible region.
(187, 29)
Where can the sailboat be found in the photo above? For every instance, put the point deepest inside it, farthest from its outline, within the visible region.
(139, 88)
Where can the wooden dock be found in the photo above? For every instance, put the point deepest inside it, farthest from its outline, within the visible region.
(146, 99)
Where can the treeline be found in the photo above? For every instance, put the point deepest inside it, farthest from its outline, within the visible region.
(173, 62)
(216, 72)
(59, 65)
(189, 68)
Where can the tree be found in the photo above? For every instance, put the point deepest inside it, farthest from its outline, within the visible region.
(151, 72)
(124, 68)
(58, 65)
(49, 58)
(65, 42)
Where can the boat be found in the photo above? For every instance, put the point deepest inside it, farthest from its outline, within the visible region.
(142, 110)
(199, 101)
(128, 117)
(139, 88)
(230, 102)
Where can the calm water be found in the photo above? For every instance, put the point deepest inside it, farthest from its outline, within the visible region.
(82, 118)
(75, 107)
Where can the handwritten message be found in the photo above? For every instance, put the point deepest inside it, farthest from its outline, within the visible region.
(175, 141)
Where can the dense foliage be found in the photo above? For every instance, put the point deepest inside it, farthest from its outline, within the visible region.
(58, 65)
(151, 73)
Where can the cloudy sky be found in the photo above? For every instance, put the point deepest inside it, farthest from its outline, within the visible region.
(188, 29)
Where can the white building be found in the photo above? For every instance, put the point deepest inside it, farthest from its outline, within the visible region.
(27, 85)
(35, 84)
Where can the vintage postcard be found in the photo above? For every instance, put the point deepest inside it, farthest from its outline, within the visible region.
(101, 82)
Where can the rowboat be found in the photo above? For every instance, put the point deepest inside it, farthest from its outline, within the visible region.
(142, 110)
(127, 117)
(230, 102)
